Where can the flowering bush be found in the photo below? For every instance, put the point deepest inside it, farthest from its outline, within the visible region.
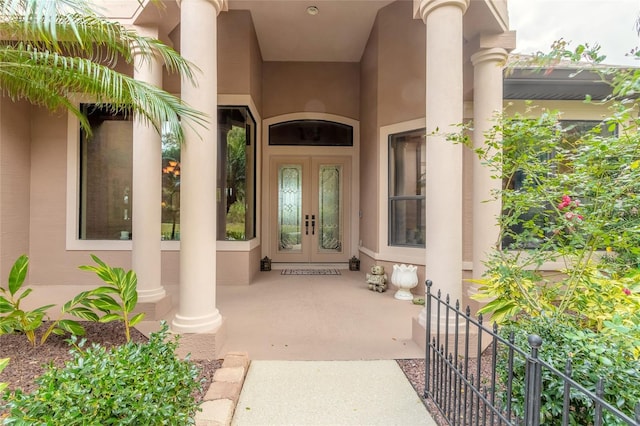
(567, 262)
(569, 203)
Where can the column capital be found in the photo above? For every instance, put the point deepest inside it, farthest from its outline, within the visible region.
(493, 54)
(219, 5)
(422, 8)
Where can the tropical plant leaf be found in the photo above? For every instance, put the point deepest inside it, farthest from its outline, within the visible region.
(18, 273)
(136, 319)
(72, 327)
(111, 317)
(105, 303)
(84, 313)
(5, 305)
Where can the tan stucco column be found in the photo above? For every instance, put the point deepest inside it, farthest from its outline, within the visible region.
(487, 104)
(197, 311)
(147, 189)
(444, 110)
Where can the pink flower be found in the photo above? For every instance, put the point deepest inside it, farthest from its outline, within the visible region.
(573, 216)
(626, 291)
(566, 202)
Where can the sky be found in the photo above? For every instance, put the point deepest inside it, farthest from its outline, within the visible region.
(609, 23)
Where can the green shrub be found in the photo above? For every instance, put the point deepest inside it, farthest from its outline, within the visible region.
(137, 384)
(593, 356)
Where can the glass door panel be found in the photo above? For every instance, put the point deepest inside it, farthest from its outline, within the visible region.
(329, 208)
(289, 208)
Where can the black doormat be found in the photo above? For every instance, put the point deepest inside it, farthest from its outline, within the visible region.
(325, 271)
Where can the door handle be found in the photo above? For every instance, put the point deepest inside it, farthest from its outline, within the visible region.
(313, 224)
(306, 224)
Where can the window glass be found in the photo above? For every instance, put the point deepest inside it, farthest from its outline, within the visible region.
(407, 167)
(170, 228)
(106, 172)
(105, 176)
(236, 180)
(311, 133)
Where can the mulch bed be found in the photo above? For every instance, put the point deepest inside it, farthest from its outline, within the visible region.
(28, 362)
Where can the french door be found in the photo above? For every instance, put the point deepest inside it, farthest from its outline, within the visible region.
(309, 202)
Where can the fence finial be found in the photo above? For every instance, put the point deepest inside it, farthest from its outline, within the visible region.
(535, 341)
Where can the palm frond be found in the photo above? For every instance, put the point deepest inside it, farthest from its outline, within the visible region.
(50, 79)
(72, 26)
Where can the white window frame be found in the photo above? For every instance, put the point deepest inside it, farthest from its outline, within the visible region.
(412, 255)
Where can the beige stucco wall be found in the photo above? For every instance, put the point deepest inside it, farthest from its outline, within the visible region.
(239, 58)
(324, 87)
(14, 183)
(369, 151)
(255, 58)
(392, 80)
(467, 205)
(402, 64)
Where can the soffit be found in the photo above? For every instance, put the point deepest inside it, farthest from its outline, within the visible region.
(554, 84)
(286, 32)
(485, 17)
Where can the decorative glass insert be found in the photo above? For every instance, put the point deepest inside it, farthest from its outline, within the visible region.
(290, 208)
(311, 133)
(407, 168)
(330, 208)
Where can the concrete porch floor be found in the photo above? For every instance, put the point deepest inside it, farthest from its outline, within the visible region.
(316, 317)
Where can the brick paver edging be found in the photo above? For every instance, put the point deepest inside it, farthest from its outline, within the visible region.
(222, 397)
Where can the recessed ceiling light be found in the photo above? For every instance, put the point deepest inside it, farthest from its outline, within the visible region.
(313, 10)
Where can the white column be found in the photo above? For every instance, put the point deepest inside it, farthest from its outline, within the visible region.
(147, 189)
(487, 103)
(197, 311)
(444, 110)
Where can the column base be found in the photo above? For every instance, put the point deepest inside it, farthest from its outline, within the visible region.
(205, 345)
(155, 310)
(419, 336)
(145, 296)
(204, 324)
(418, 333)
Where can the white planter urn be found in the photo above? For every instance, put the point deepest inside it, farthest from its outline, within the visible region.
(405, 277)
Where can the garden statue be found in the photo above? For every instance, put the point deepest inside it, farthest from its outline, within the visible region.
(377, 279)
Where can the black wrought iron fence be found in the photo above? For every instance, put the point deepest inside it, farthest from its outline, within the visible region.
(464, 382)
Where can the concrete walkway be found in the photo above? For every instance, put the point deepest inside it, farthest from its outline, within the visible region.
(328, 393)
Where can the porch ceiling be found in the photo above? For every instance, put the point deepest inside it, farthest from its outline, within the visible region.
(286, 32)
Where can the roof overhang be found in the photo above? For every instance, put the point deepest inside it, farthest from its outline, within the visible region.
(554, 84)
